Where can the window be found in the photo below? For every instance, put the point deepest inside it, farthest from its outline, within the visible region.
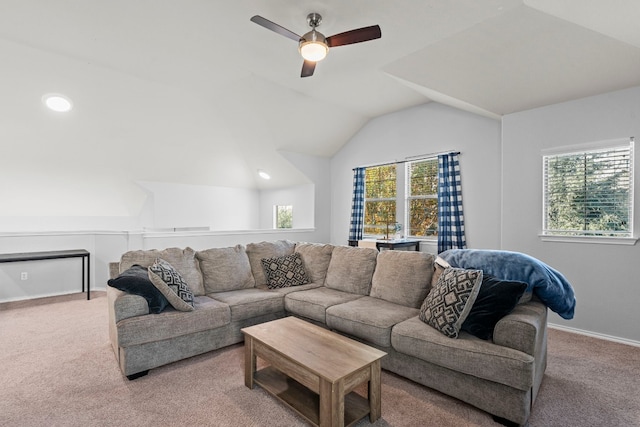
(422, 198)
(282, 216)
(390, 196)
(589, 192)
(379, 199)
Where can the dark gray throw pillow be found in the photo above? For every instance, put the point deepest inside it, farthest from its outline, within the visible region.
(135, 280)
(496, 299)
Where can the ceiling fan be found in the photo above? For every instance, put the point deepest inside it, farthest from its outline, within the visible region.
(314, 46)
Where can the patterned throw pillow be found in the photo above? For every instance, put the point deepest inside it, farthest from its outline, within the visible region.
(450, 301)
(285, 271)
(171, 284)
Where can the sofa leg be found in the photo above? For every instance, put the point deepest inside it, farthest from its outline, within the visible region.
(137, 375)
(504, 421)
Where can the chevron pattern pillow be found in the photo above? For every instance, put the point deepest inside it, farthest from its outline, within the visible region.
(285, 271)
(450, 301)
(171, 284)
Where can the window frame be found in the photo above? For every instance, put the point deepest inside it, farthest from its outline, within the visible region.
(583, 236)
(276, 216)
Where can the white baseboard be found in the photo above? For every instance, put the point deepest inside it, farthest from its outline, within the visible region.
(595, 335)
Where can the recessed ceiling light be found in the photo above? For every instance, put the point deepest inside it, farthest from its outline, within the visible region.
(263, 174)
(57, 102)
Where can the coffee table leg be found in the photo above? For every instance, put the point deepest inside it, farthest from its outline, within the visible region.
(375, 401)
(249, 362)
(331, 404)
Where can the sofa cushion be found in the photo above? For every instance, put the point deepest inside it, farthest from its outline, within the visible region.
(468, 354)
(284, 291)
(257, 251)
(316, 258)
(135, 280)
(402, 277)
(285, 271)
(351, 269)
(368, 318)
(450, 301)
(225, 269)
(183, 260)
(208, 314)
(248, 303)
(171, 284)
(313, 303)
(496, 299)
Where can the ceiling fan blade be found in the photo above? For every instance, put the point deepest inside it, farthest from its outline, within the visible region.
(307, 68)
(355, 36)
(275, 27)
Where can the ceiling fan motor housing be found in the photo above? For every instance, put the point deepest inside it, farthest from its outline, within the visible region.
(314, 20)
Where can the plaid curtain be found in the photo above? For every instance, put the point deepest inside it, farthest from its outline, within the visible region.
(450, 217)
(357, 205)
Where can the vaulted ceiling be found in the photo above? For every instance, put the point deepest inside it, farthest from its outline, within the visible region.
(191, 91)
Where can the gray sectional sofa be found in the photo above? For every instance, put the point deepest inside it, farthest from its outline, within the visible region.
(369, 296)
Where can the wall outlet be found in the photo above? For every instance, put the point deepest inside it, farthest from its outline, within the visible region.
(24, 275)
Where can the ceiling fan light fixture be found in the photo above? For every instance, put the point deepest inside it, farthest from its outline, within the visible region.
(313, 46)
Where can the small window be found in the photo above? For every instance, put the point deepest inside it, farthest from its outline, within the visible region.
(422, 198)
(589, 192)
(282, 216)
(379, 199)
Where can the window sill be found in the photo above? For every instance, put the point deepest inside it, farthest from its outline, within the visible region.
(628, 241)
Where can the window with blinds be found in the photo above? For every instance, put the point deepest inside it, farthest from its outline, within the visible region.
(422, 198)
(379, 199)
(589, 193)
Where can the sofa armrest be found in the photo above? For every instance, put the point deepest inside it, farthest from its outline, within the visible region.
(123, 305)
(114, 270)
(524, 329)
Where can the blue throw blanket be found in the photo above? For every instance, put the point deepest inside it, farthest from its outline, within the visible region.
(546, 283)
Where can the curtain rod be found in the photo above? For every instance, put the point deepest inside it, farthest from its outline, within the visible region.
(408, 159)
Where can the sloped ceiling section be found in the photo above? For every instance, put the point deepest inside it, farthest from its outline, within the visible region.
(521, 59)
(192, 92)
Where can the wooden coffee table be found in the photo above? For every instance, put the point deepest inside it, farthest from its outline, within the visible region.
(314, 371)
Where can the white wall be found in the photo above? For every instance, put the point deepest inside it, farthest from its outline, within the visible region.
(219, 208)
(300, 197)
(428, 128)
(605, 277)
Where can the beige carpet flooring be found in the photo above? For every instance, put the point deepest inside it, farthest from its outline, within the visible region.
(57, 369)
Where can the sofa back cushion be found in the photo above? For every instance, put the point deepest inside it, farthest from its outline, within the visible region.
(258, 251)
(183, 260)
(316, 258)
(225, 269)
(351, 269)
(403, 277)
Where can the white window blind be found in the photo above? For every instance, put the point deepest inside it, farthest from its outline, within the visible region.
(589, 193)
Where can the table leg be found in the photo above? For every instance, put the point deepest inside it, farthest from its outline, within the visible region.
(88, 275)
(249, 361)
(331, 404)
(375, 401)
